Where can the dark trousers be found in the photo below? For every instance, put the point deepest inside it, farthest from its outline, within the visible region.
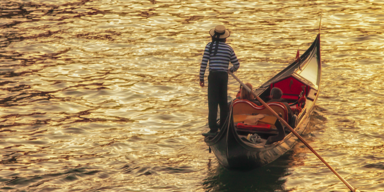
(217, 96)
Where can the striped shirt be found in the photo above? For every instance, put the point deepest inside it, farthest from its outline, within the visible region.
(220, 61)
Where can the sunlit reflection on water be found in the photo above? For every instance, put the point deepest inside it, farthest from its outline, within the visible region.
(104, 95)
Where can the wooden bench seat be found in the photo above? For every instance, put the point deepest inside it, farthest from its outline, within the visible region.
(254, 119)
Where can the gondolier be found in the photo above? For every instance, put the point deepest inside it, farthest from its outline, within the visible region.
(218, 54)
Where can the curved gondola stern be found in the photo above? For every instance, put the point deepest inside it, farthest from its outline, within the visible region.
(239, 154)
(218, 146)
(234, 149)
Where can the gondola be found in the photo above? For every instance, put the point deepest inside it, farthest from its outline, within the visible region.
(300, 83)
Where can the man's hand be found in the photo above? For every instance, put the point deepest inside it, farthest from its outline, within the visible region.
(201, 83)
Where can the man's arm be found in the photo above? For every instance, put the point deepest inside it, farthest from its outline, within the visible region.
(234, 61)
(203, 65)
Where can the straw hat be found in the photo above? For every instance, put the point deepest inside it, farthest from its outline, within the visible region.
(220, 30)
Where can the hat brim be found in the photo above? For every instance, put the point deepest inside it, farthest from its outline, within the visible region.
(225, 35)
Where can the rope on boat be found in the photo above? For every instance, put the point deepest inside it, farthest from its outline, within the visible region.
(353, 189)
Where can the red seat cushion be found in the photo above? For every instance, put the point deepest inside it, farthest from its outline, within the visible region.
(290, 97)
(258, 127)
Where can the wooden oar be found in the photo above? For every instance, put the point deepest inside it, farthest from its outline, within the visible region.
(321, 16)
(353, 189)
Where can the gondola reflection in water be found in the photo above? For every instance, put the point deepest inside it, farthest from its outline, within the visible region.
(300, 83)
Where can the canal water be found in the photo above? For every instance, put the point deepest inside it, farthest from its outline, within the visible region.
(104, 95)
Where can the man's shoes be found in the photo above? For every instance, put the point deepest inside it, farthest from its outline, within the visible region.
(210, 134)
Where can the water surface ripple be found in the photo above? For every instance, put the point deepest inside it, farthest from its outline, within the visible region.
(103, 95)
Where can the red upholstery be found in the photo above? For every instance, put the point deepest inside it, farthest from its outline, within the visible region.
(290, 97)
(291, 88)
(258, 127)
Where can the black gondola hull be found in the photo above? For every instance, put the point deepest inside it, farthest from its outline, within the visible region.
(234, 153)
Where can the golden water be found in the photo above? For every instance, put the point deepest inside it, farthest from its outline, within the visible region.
(103, 94)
